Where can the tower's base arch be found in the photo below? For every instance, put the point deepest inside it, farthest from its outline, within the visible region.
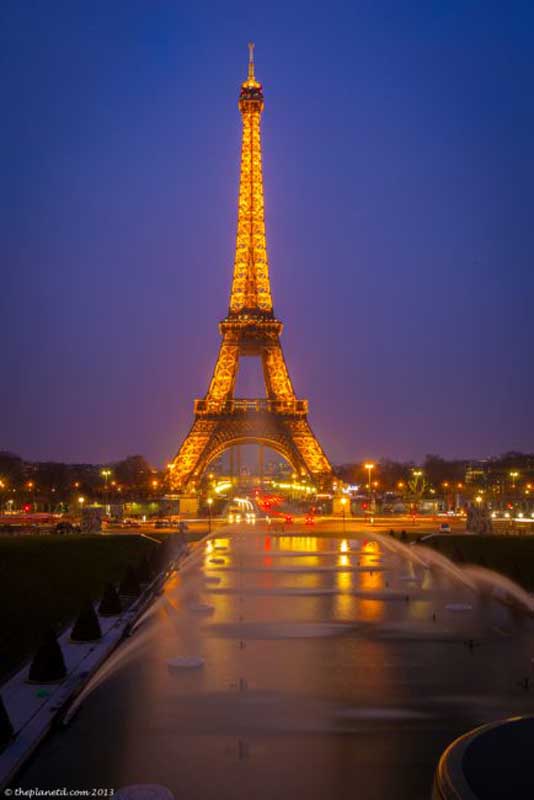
(288, 434)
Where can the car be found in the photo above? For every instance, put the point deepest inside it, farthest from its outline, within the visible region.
(162, 523)
(234, 514)
(67, 527)
(444, 528)
(64, 527)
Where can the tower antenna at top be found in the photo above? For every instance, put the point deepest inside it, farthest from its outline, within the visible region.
(251, 61)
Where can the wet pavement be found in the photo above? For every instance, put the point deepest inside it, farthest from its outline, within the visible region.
(330, 666)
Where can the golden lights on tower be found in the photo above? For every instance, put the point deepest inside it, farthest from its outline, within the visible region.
(250, 328)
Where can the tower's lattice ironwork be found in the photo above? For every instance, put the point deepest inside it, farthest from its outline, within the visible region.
(250, 329)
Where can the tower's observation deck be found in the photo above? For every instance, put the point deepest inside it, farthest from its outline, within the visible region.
(250, 328)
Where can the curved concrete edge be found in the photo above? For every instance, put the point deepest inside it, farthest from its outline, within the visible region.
(44, 718)
(450, 782)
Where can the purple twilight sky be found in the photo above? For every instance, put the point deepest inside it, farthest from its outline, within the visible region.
(399, 172)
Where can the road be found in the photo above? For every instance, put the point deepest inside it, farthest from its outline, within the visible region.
(325, 673)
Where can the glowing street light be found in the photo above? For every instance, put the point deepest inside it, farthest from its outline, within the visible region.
(210, 503)
(81, 501)
(369, 467)
(106, 474)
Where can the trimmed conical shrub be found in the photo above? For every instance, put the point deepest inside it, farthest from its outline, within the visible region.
(87, 627)
(6, 728)
(48, 665)
(130, 585)
(110, 605)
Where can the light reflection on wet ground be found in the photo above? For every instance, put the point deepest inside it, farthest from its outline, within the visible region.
(331, 665)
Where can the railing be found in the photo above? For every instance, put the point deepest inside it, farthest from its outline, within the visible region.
(255, 406)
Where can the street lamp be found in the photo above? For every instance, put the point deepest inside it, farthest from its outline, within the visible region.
(369, 468)
(343, 504)
(210, 503)
(106, 473)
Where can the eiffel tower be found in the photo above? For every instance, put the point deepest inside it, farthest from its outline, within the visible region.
(279, 420)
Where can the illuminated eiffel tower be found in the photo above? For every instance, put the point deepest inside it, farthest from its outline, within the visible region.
(279, 420)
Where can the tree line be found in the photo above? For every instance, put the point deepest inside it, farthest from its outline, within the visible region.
(129, 476)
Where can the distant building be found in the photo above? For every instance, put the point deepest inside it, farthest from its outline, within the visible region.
(510, 470)
(476, 472)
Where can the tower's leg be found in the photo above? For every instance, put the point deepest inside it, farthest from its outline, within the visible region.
(190, 453)
(277, 380)
(232, 463)
(309, 449)
(224, 375)
(238, 458)
(261, 456)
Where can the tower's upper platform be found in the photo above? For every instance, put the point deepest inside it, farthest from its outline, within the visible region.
(251, 96)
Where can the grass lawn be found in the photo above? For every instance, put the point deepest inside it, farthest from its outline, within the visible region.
(44, 580)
